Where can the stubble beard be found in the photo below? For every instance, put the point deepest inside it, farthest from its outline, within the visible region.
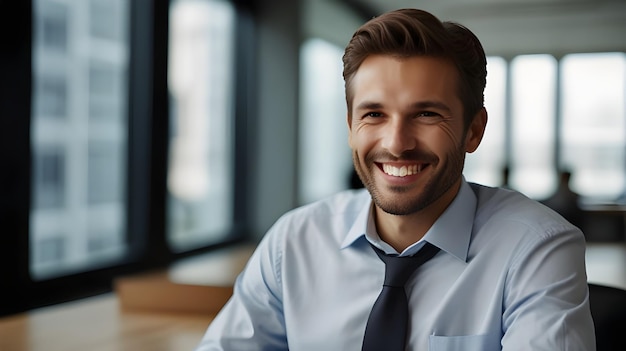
(398, 203)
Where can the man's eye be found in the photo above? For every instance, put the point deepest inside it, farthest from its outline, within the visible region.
(373, 114)
(428, 114)
(428, 117)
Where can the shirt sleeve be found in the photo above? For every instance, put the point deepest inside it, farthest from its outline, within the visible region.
(253, 317)
(546, 300)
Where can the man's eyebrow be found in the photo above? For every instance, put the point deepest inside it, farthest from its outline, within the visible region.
(369, 105)
(431, 104)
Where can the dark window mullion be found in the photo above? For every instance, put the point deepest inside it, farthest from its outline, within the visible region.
(157, 250)
(15, 153)
(140, 174)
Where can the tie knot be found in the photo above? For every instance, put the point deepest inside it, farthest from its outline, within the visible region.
(399, 269)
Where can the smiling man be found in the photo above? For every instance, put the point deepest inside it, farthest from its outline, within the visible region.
(420, 259)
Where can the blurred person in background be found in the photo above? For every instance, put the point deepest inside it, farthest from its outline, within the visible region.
(565, 201)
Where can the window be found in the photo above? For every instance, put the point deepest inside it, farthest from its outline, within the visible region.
(106, 19)
(86, 195)
(200, 176)
(106, 91)
(593, 129)
(52, 25)
(325, 161)
(49, 183)
(105, 172)
(52, 96)
(80, 154)
(533, 113)
(50, 251)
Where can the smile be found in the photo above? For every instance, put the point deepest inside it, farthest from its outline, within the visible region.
(403, 171)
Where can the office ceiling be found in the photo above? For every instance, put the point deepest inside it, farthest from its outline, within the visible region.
(506, 8)
(525, 26)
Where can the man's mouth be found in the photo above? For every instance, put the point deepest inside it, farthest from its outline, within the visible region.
(404, 170)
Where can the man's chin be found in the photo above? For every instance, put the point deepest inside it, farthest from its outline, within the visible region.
(397, 208)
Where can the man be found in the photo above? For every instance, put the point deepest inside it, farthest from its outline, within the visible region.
(507, 272)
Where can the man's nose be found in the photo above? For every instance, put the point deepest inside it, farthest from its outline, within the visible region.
(398, 137)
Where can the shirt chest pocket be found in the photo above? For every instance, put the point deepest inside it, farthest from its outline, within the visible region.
(484, 342)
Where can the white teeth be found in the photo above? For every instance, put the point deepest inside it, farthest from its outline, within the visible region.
(402, 171)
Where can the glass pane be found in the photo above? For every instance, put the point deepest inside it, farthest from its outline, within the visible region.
(485, 165)
(200, 175)
(79, 129)
(594, 127)
(325, 157)
(533, 96)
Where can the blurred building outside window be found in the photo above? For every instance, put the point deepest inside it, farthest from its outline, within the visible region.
(79, 135)
(50, 181)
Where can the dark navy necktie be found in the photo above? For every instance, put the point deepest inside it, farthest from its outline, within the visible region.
(386, 328)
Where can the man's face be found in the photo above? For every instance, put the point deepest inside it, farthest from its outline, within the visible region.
(406, 131)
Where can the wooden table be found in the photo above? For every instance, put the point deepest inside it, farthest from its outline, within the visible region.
(99, 324)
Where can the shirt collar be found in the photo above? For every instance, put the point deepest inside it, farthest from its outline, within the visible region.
(451, 232)
(359, 226)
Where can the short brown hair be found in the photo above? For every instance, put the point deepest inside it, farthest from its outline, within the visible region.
(412, 32)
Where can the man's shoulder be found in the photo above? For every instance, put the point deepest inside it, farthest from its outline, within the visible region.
(512, 209)
(493, 198)
(320, 225)
(346, 201)
(337, 212)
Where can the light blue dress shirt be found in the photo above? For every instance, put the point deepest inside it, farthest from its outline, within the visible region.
(510, 276)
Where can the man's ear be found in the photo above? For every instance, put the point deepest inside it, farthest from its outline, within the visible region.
(476, 131)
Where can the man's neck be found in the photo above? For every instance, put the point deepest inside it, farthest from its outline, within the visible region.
(401, 232)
